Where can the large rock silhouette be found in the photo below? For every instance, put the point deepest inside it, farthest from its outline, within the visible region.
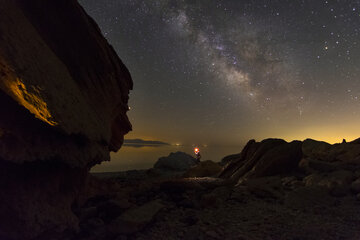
(266, 158)
(277, 157)
(63, 104)
(178, 161)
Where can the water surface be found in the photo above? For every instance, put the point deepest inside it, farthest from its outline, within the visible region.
(128, 158)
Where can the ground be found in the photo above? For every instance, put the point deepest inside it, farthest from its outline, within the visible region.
(270, 208)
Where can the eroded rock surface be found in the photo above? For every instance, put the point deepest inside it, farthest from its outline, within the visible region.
(63, 104)
(266, 158)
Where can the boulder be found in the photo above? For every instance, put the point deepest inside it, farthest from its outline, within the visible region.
(178, 161)
(309, 165)
(282, 159)
(269, 157)
(336, 178)
(337, 182)
(236, 161)
(229, 159)
(63, 103)
(348, 153)
(316, 149)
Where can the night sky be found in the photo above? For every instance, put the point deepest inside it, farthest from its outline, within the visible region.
(223, 72)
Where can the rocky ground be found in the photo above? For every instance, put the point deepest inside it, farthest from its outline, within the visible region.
(317, 199)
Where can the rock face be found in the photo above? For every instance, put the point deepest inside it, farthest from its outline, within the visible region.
(344, 152)
(178, 161)
(318, 164)
(229, 158)
(63, 104)
(269, 157)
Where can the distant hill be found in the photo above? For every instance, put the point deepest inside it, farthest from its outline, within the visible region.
(142, 143)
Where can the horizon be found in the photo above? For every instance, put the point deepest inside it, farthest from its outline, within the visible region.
(333, 141)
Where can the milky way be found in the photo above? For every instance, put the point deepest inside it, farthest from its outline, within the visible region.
(221, 72)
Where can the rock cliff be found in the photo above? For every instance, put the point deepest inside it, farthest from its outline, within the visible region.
(63, 103)
(265, 158)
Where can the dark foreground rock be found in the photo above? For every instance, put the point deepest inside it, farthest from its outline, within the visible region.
(63, 104)
(135, 219)
(269, 157)
(178, 161)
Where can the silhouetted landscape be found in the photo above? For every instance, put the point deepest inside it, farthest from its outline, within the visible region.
(64, 107)
(142, 143)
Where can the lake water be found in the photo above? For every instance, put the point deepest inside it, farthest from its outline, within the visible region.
(129, 158)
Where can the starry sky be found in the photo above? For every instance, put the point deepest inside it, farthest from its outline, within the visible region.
(223, 72)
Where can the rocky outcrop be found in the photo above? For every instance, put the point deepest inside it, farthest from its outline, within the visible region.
(342, 152)
(63, 104)
(225, 160)
(269, 157)
(178, 161)
(310, 163)
(236, 161)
